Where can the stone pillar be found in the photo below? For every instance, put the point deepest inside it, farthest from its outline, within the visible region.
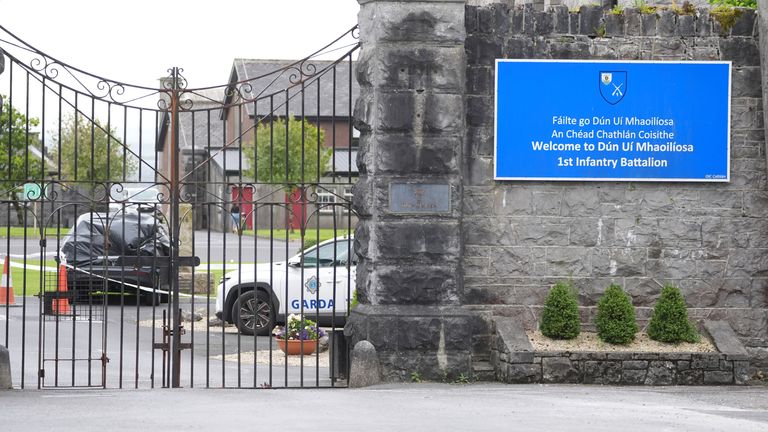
(762, 16)
(187, 283)
(411, 115)
(5, 369)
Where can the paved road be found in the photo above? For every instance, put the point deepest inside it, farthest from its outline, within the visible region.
(71, 352)
(232, 248)
(394, 407)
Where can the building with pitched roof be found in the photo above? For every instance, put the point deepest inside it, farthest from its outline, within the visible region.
(220, 121)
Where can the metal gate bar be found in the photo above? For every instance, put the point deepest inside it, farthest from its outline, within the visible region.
(86, 204)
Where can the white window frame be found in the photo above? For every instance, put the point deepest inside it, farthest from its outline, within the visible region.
(324, 198)
(347, 196)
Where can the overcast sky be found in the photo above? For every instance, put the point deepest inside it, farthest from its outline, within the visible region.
(136, 41)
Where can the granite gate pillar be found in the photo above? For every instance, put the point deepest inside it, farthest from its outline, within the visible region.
(411, 114)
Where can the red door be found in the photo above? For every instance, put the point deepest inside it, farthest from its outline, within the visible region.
(243, 198)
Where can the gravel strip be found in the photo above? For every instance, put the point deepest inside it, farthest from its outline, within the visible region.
(589, 342)
(199, 326)
(278, 358)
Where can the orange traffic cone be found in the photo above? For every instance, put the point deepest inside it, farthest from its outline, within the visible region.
(6, 286)
(60, 304)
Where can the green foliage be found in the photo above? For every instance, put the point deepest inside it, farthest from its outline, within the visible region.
(416, 377)
(686, 9)
(644, 8)
(354, 301)
(90, 152)
(617, 10)
(280, 234)
(309, 242)
(270, 163)
(600, 31)
(560, 317)
(29, 232)
(461, 379)
(16, 136)
(616, 317)
(18, 165)
(298, 328)
(726, 16)
(738, 3)
(669, 322)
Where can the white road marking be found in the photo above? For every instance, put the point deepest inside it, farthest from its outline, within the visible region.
(32, 255)
(32, 266)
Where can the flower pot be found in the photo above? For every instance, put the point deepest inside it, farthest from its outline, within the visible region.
(294, 347)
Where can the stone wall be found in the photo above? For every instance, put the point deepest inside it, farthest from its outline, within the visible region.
(542, 5)
(623, 368)
(515, 361)
(711, 240)
(431, 282)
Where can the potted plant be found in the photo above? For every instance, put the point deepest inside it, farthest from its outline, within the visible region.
(299, 336)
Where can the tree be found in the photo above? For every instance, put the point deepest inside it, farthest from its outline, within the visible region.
(305, 154)
(18, 165)
(271, 165)
(615, 319)
(669, 322)
(560, 317)
(98, 157)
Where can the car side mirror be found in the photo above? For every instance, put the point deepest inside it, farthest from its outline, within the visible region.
(295, 261)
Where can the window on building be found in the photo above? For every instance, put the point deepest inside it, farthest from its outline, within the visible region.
(325, 202)
(347, 198)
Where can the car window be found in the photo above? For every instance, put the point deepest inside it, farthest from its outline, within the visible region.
(327, 254)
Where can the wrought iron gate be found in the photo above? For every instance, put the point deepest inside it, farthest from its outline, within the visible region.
(154, 236)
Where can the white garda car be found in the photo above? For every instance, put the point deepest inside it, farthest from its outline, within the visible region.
(317, 282)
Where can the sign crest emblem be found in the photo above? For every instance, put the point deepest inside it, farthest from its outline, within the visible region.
(312, 285)
(613, 86)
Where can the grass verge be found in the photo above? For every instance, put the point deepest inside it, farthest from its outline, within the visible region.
(279, 234)
(18, 232)
(29, 279)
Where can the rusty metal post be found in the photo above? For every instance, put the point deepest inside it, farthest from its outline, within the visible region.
(176, 333)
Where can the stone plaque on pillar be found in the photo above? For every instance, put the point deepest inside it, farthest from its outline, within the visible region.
(409, 198)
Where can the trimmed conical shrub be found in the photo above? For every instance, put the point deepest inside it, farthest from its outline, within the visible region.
(669, 322)
(560, 317)
(616, 317)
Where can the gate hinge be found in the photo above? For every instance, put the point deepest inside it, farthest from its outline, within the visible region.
(41, 373)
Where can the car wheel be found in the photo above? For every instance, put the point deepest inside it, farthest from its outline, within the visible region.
(253, 313)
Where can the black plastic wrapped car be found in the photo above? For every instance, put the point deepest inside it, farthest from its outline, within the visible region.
(125, 251)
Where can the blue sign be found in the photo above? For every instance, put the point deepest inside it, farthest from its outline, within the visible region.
(612, 121)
